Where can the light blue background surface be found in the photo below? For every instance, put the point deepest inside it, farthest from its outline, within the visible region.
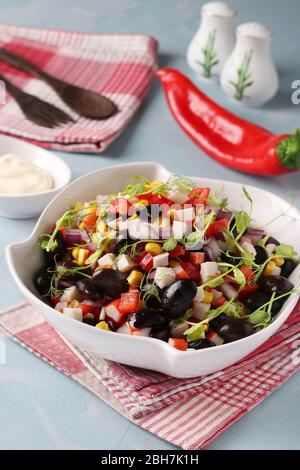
(39, 407)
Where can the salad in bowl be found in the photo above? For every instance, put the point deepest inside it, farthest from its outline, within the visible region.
(166, 259)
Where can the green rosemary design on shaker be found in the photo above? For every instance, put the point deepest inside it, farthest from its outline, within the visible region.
(210, 56)
(244, 77)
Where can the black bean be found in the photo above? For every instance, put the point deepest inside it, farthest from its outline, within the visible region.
(161, 333)
(234, 328)
(201, 344)
(177, 297)
(275, 284)
(148, 318)
(112, 283)
(42, 281)
(231, 258)
(261, 255)
(89, 290)
(288, 267)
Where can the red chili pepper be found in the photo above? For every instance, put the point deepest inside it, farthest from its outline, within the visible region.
(216, 227)
(229, 139)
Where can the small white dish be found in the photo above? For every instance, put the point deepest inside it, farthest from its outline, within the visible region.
(24, 258)
(25, 206)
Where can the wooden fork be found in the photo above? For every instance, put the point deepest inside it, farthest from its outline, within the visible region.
(36, 110)
(84, 102)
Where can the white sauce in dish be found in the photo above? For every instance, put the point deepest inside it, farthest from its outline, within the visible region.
(20, 176)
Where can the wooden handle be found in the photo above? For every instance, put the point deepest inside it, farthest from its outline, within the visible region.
(20, 63)
(12, 89)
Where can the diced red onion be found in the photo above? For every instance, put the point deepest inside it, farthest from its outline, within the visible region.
(151, 275)
(207, 210)
(73, 236)
(91, 247)
(229, 291)
(212, 250)
(222, 214)
(254, 234)
(84, 236)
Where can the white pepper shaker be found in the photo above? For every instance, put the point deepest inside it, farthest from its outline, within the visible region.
(249, 75)
(214, 40)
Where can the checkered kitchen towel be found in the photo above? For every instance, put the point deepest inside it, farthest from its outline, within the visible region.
(120, 66)
(189, 413)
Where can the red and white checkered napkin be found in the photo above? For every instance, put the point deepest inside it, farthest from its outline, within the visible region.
(120, 66)
(189, 413)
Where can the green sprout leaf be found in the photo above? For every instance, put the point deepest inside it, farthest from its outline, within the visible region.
(286, 251)
(258, 317)
(196, 331)
(242, 221)
(239, 277)
(170, 244)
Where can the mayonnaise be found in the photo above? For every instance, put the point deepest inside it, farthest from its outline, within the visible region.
(20, 176)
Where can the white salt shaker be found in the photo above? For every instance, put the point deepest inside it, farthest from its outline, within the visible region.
(249, 75)
(214, 40)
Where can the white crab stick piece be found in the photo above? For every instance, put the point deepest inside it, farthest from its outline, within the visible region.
(164, 277)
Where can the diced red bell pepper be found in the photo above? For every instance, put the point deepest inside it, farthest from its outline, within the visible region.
(216, 227)
(120, 206)
(55, 299)
(196, 257)
(248, 273)
(178, 251)
(193, 271)
(182, 275)
(218, 301)
(86, 308)
(247, 290)
(199, 196)
(129, 302)
(90, 221)
(155, 199)
(145, 261)
(177, 343)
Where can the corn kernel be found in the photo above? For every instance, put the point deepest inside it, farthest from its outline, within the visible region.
(208, 297)
(269, 268)
(134, 279)
(74, 304)
(103, 325)
(75, 252)
(102, 227)
(155, 184)
(82, 256)
(78, 206)
(153, 248)
(90, 210)
(142, 202)
(171, 213)
(279, 261)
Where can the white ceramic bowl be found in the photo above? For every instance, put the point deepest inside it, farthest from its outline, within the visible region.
(25, 206)
(25, 257)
